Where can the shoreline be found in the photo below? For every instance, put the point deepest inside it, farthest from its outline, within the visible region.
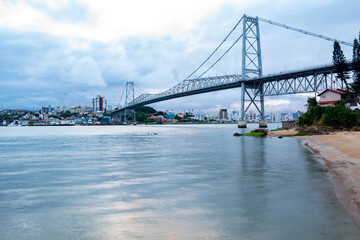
(339, 153)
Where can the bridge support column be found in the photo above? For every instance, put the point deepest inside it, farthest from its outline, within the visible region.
(125, 118)
(262, 121)
(242, 112)
(242, 124)
(129, 115)
(262, 124)
(242, 121)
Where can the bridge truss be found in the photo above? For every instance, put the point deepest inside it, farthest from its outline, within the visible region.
(254, 86)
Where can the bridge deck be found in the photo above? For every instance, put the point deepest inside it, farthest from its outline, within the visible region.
(210, 84)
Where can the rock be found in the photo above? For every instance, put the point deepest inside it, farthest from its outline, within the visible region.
(260, 130)
(237, 134)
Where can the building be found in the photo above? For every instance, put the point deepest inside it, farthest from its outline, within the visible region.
(79, 109)
(329, 97)
(99, 104)
(251, 116)
(275, 117)
(235, 115)
(47, 109)
(223, 114)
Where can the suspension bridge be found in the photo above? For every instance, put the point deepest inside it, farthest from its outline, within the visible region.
(253, 84)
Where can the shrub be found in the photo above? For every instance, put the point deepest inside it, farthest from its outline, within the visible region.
(313, 114)
(150, 120)
(339, 117)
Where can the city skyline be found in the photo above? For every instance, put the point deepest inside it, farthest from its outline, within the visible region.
(50, 56)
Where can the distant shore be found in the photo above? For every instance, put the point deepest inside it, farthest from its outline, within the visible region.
(339, 152)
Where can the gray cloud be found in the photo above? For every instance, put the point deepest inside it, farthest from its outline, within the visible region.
(39, 69)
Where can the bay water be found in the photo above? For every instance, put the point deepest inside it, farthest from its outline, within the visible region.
(163, 182)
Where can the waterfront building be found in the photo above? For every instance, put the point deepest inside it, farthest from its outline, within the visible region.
(44, 115)
(275, 117)
(329, 97)
(199, 117)
(99, 104)
(79, 109)
(223, 114)
(235, 115)
(251, 116)
(170, 115)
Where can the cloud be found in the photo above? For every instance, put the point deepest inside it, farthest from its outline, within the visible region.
(85, 71)
(54, 4)
(110, 20)
(68, 51)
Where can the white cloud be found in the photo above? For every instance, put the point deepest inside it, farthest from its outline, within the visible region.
(54, 4)
(112, 20)
(21, 15)
(277, 102)
(86, 71)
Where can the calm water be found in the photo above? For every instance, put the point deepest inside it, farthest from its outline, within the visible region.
(184, 182)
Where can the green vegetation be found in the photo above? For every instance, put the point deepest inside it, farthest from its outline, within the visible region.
(141, 117)
(66, 114)
(53, 116)
(356, 61)
(150, 120)
(30, 123)
(145, 109)
(339, 61)
(257, 134)
(160, 113)
(337, 117)
(5, 117)
(311, 102)
(143, 113)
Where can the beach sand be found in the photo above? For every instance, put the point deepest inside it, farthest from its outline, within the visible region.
(289, 132)
(340, 154)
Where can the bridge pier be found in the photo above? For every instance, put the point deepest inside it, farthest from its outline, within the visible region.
(124, 115)
(242, 124)
(262, 124)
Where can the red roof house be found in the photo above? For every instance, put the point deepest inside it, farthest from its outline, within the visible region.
(330, 96)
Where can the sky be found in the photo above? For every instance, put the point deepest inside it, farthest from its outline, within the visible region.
(66, 52)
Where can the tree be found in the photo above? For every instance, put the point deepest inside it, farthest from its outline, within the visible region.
(177, 117)
(356, 62)
(160, 113)
(141, 117)
(145, 109)
(311, 102)
(66, 114)
(339, 61)
(149, 120)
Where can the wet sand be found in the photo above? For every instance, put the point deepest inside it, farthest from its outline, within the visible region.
(340, 154)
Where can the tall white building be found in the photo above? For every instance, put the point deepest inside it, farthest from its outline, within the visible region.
(99, 104)
(275, 117)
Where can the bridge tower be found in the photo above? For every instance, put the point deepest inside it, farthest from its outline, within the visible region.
(251, 67)
(129, 114)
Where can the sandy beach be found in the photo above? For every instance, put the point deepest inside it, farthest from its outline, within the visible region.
(340, 154)
(289, 132)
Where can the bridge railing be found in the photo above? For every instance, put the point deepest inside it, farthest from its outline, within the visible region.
(189, 85)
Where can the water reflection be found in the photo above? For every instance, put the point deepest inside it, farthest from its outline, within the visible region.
(186, 182)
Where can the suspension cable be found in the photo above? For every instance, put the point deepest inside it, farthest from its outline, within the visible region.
(202, 64)
(305, 32)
